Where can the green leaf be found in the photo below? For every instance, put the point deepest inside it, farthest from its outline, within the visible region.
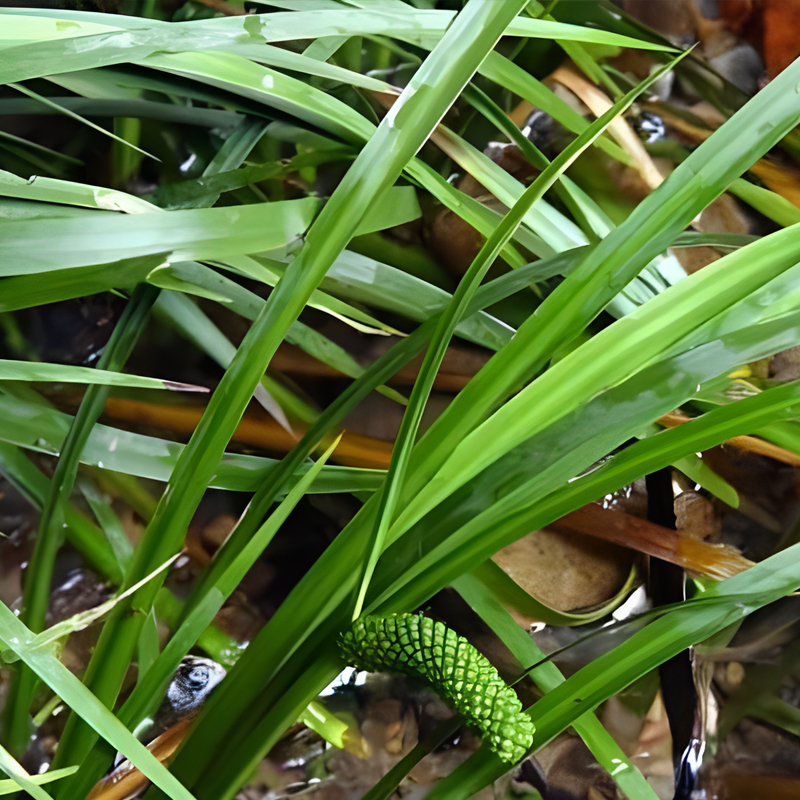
(326, 724)
(697, 470)
(61, 373)
(12, 787)
(610, 357)
(421, 27)
(145, 696)
(52, 190)
(62, 110)
(607, 269)
(20, 777)
(400, 134)
(17, 638)
(43, 430)
(397, 206)
(205, 233)
(547, 676)
(690, 623)
(509, 593)
(83, 619)
(36, 594)
(401, 452)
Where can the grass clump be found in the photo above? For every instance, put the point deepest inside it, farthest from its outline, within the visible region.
(252, 160)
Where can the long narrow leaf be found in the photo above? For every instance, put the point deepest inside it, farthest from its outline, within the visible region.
(61, 373)
(19, 640)
(689, 624)
(399, 136)
(449, 320)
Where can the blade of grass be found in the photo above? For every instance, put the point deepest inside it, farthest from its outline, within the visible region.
(317, 108)
(62, 110)
(547, 676)
(12, 787)
(43, 430)
(512, 594)
(108, 520)
(423, 27)
(33, 246)
(62, 373)
(185, 316)
(53, 190)
(590, 217)
(697, 470)
(369, 281)
(136, 706)
(494, 437)
(613, 263)
(397, 139)
(508, 74)
(37, 156)
(449, 320)
(143, 109)
(770, 204)
(399, 355)
(534, 504)
(557, 231)
(20, 776)
(20, 640)
(293, 93)
(36, 591)
(691, 623)
(193, 324)
(78, 622)
(304, 623)
(146, 696)
(289, 641)
(418, 110)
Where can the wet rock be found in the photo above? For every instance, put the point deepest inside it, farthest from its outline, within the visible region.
(566, 571)
(696, 517)
(785, 366)
(80, 591)
(741, 65)
(573, 773)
